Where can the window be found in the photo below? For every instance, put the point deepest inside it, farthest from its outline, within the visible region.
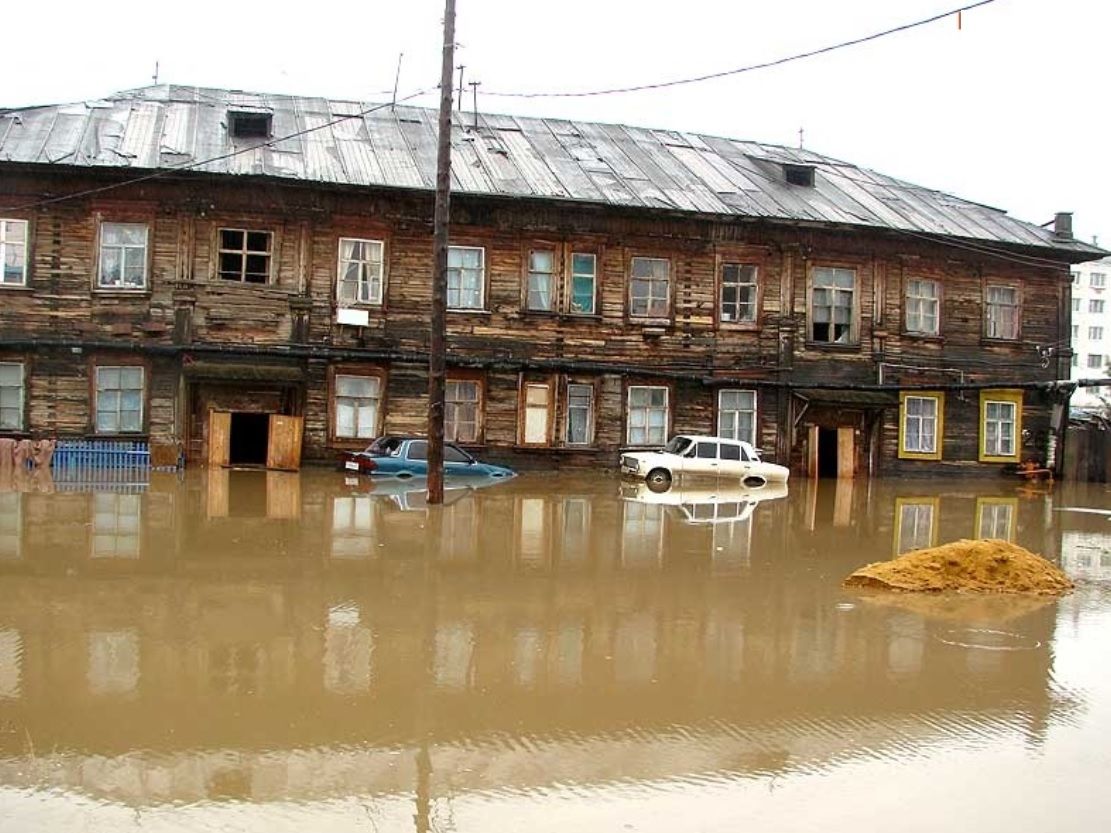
(738, 293)
(116, 525)
(1098, 280)
(119, 400)
(13, 252)
(995, 518)
(1075, 332)
(360, 271)
(922, 306)
(1095, 333)
(248, 125)
(831, 306)
(648, 415)
(537, 413)
(737, 415)
(580, 414)
(462, 402)
(541, 280)
(1001, 312)
(356, 406)
(916, 524)
(1000, 425)
(1075, 277)
(1095, 361)
(123, 256)
(245, 255)
(1075, 360)
(584, 280)
(1095, 306)
(1076, 305)
(11, 396)
(466, 277)
(921, 417)
(650, 288)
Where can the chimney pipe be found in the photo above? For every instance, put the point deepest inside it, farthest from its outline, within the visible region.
(1062, 225)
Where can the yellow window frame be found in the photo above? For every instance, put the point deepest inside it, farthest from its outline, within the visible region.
(982, 503)
(939, 398)
(1013, 397)
(900, 503)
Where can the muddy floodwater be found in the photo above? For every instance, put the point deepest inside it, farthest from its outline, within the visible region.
(252, 651)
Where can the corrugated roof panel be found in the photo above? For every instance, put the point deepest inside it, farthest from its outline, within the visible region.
(571, 177)
(322, 157)
(102, 142)
(542, 181)
(140, 142)
(392, 152)
(177, 130)
(64, 137)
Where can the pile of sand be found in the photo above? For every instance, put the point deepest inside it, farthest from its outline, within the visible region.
(990, 566)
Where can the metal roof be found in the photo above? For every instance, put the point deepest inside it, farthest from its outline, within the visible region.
(168, 126)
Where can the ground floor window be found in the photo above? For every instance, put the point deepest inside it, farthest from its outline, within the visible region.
(921, 417)
(119, 399)
(536, 416)
(647, 415)
(580, 414)
(11, 396)
(356, 403)
(462, 409)
(737, 415)
(1000, 425)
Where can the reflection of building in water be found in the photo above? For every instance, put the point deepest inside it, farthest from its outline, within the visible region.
(353, 526)
(116, 525)
(642, 534)
(1086, 555)
(113, 662)
(11, 664)
(348, 646)
(11, 525)
(915, 523)
(995, 518)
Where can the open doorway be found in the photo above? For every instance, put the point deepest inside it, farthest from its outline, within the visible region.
(250, 434)
(827, 452)
(832, 452)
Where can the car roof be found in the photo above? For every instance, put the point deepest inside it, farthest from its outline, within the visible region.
(708, 439)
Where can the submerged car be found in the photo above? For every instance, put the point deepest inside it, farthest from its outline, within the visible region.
(691, 455)
(408, 457)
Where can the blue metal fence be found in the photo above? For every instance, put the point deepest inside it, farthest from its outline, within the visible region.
(121, 463)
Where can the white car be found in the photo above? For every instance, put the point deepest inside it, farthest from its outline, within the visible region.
(691, 455)
(707, 506)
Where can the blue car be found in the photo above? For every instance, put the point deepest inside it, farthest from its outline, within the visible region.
(408, 457)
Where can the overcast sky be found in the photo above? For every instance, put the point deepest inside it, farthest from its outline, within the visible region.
(1010, 111)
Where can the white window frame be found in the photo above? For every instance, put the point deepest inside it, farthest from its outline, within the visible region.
(923, 311)
(458, 271)
(244, 252)
(729, 419)
(1076, 305)
(927, 439)
(1002, 317)
(576, 274)
(1000, 440)
(21, 397)
(1095, 361)
(369, 280)
(119, 411)
(580, 389)
(358, 404)
(650, 439)
(659, 288)
(1095, 333)
(1095, 305)
(824, 280)
(454, 404)
(533, 277)
(916, 525)
(127, 253)
(537, 398)
(1097, 280)
(8, 245)
(746, 277)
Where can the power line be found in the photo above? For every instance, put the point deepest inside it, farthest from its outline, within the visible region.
(752, 67)
(202, 162)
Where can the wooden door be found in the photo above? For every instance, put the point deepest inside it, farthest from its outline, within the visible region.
(284, 448)
(846, 452)
(812, 452)
(219, 438)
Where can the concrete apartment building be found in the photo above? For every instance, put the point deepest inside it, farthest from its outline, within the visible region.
(1091, 330)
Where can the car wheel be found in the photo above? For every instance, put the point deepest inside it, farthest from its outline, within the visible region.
(658, 480)
(754, 481)
(404, 475)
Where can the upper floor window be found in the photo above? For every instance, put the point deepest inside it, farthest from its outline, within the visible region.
(360, 271)
(1098, 280)
(119, 399)
(462, 410)
(738, 293)
(123, 256)
(1095, 333)
(737, 415)
(11, 396)
(647, 416)
(356, 402)
(1075, 332)
(541, 280)
(922, 306)
(1076, 305)
(1095, 361)
(1096, 306)
(245, 256)
(832, 305)
(584, 283)
(13, 252)
(1001, 311)
(650, 287)
(1075, 277)
(466, 277)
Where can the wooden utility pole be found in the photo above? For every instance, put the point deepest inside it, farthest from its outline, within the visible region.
(437, 339)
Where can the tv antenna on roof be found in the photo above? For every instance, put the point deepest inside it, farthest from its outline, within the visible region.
(154, 77)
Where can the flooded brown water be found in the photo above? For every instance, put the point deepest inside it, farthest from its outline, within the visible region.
(243, 651)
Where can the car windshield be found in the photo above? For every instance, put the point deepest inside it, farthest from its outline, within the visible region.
(678, 445)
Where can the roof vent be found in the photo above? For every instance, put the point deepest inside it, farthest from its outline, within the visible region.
(1062, 225)
(799, 174)
(248, 125)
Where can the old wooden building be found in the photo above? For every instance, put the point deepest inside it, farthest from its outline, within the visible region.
(244, 277)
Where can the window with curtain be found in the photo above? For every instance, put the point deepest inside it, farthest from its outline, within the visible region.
(356, 406)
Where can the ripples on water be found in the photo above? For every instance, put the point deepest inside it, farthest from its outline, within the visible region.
(251, 650)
